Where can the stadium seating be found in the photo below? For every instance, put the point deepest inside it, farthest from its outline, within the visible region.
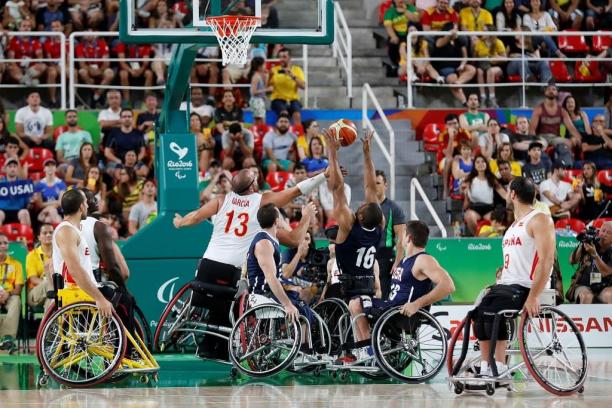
(601, 43)
(571, 174)
(574, 224)
(278, 179)
(593, 74)
(36, 157)
(605, 178)
(600, 221)
(16, 231)
(575, 44)
(430, 136)
(560, 72)
(481, 224)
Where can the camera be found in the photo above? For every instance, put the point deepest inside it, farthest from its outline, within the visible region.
(315, 269)
(588, 236)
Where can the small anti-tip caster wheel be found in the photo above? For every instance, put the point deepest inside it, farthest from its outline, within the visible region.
(43, 380)
(490, 389)
(144, 379)
(233, 372)
(317, 372)
(458, 388)
(344, 375)
(581, 390)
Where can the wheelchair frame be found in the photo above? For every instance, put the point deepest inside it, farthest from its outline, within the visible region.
(73, 304)
(460, 378)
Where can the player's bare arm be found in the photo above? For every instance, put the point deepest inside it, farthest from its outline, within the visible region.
(342, 213)
(377, 287)
(264, 252)
(284, 197)
(369, 173)
(293, 238)
(203, 213)
(426, 266)
(542, 229)
(68, 242)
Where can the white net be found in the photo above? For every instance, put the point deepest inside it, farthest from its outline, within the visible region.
(233, 34)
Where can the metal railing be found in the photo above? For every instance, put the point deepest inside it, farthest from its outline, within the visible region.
(74, 83)
(59, 61)
(415, 187)
(343, 48)
(523, 59)
(389, 154)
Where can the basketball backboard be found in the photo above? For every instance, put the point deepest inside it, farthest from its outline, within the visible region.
(299, 22)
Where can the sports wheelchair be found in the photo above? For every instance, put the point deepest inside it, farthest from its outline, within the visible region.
(547, 348)
(409, 349)
(78, 348)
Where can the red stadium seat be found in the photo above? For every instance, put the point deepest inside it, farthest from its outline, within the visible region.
(36, 175)
(573, 43)
(599, 221)
(510, 126)
(481, 224)
(571, 174)
(601, 43)
(431, 135)
(593, 74)
(514, 78)
(559, 71)
(36, 157)
(605, 177)
(573, 223)
(16, 231)
(259, 131)
(297, 129)
(278, 179)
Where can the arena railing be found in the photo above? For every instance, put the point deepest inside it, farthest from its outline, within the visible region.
(524, 85)
(389, 154)
(343, 48)
(59, 61)
(415, 186)
(74, 83)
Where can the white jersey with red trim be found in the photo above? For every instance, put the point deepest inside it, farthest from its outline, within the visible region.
(520, 253)
(234, 227)
(84, 256)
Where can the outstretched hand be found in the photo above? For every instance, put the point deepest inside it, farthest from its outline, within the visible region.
(366, 140)
(331, 139)
(177, 220)
(309, 210)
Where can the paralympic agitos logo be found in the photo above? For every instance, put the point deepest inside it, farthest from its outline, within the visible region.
(165, 293)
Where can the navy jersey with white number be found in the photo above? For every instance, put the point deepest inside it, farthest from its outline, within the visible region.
(257, 278)
(356, 255)
(404, 286)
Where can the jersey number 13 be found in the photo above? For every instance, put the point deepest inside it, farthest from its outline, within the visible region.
(241, 228)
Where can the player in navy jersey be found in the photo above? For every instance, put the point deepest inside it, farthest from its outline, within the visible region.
(417, 282)
(264, 266)
(358, 233)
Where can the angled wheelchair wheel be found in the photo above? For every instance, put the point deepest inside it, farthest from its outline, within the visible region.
(78, 348)
(176, 313)
(410, 349)
(321, 343)
(263, 341)
(335, 314)
(141, 324)
(553, 351)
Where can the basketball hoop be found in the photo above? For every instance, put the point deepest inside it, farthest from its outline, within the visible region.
(233, 34)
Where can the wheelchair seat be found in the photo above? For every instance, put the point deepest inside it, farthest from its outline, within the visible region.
(205, 288)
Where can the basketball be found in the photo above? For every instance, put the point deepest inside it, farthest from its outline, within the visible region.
(345, 131)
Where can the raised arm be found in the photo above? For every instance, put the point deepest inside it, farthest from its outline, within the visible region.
(195, 217)
(342, 212)
(369, 176)
(284, 197)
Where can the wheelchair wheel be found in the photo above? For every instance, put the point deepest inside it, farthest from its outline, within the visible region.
(334, 313)
(553, 351)
(410, 349)
(321, 343)
(141, 324)
(263, 342)
(77, 348)
(176, 311)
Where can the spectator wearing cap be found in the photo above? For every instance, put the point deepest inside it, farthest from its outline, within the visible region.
(536, 169)
(110, 117)
(278, 146)
(145, 210)
(48, 194)
(70, 141)
(123, 139)
(286, 80)
(11, 282)
(34, 123)
(597, 147)
(557, 194)
(238, 144)
(13, 208)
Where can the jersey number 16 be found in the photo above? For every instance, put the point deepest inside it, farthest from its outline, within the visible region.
(365, 259)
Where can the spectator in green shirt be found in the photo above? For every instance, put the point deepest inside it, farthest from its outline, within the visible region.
(69, 143)
(396, 21)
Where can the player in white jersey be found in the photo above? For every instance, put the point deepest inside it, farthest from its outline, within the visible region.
(235, 224)
(528, 255)
(71, 255)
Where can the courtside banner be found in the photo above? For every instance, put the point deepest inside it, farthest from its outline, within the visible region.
(593, 321)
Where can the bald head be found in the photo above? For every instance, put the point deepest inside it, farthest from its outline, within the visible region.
(242, 182)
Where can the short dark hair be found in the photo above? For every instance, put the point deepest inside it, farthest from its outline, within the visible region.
(299, 166)
(382, 174)
(285, 49)
(126, 110)
(501, 162)
(70, 110)
(283, 114)
(72, 200)
(419, 232)
(372, 215)
(12, 140)
(451, 116)
(558, 164)
(267, 215)
(499, 214)
(43, 225)
(524, 188)
(533, 145)
(235, 128)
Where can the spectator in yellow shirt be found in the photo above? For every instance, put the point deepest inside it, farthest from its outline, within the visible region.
(11, 282)
(497, 227)
(286, 79)
(489, 71)
(311, 129)
(38, 267)
(474, 18)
